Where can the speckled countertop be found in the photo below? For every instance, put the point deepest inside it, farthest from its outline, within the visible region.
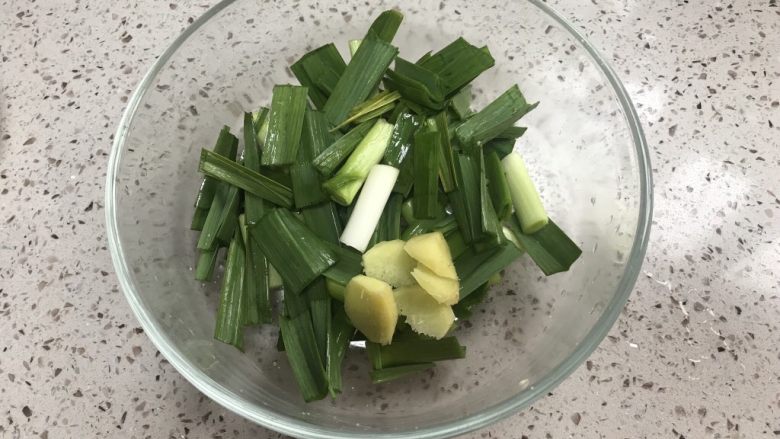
(695, 353)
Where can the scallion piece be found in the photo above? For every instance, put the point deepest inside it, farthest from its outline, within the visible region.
(397, 152)
(528, 204)
(461, 103)
(340, 333)
(550, 248)
(230, 172)
(496, 117)
(511, 133)
(389, 226)
(369, 206)
(199, 218)
(324, 221)
(207, 261)
(230, 314)
(458, 64)
(319, 71)
(465, 200)
(307, 189)
(492, 235)
(254, 206)
(349, 265)
(294, 304)
(301, 348)
(416, 84)
(456, 243)
(226, 146)
(353, 46)
(229, 217)
(393, 373)
(385, 26)
(328, 160)
(427, 146)
(502, 147)
(218, 214)
(292, 248)
(285, 123)
(383, 102)
(320, 308)
(475, 268)
(360, 78)
(446, 159)
(256, 282)
(316, 136)
(250, 311)
(444, 225)
(498, 185)
(343, 186)
(414, 351)
(465, 307)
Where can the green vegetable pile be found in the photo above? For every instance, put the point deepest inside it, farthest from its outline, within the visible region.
(356, 155)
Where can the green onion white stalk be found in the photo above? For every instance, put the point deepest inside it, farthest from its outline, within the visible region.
(369, 206)
(528, 206)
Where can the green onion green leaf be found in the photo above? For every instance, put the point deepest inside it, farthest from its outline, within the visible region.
(285, 123)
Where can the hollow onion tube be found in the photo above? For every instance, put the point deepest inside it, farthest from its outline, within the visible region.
(528, 206)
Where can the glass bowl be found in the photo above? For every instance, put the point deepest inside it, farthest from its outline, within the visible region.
(584, 147)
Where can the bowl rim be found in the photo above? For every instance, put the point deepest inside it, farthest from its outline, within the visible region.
(293, 426)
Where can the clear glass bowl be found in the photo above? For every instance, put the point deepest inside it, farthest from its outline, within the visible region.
(584, 147)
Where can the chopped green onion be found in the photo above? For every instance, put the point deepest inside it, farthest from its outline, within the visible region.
(444, 225)
(416, 84)
(305, 361)
(492, 235)
(353, 46)
(324, 221)
(207, 261)
(319, 307)
(465, 200)
(475, 268)
(492, 120)
(343, 186)
(461, 103)
(498, 185)
(550, 248)
(369, 206)
(393, 373)
(502, 147)
(360, 78)
(446, 160)
(199, 218)
(465, 307)
(385, 26)
(340, 333)
(458, 64)
(285, 123)
(253, 182)
(389, 227)
(418, 350)
(307, 189)
(512, 133)
(250, 311)
(349, 265)
(295, 304)
(230, 314)
(373, 114)
(217, 227)
(319, 71)
(292, 248)
(456, 243)
(335, 289)
(254, 206)
(329, 159)
(379, 101)
(256, 282)
(397, 152)
(226, 146)
(528, 205)
(316, 136)
(427, 146)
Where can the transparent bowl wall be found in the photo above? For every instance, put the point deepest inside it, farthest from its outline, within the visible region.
(584, 148)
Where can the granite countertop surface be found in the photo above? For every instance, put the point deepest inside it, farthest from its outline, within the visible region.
(694, 354)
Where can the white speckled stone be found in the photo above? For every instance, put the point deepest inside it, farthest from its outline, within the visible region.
(694, 354)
